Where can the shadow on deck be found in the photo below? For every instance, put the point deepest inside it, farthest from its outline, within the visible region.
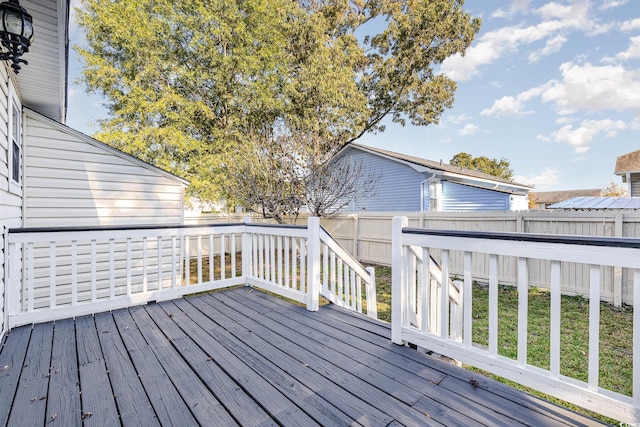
(243, 357)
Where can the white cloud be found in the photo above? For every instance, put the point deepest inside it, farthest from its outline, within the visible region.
(545, 179)
(610, 4)
(556, 21)
(517, 6)
(507, 106)
(593, 88)
(580, 137)
(553, 45)
(459, 119)
(468, 129)
(632, 25)
(633, 51)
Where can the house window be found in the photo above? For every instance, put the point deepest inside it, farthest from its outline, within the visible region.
(15, 138)
(431, 195)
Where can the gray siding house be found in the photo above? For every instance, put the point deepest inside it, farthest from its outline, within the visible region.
(413, 184)
(628, 167)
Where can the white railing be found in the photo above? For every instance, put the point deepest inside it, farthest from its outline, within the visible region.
(302, 263)
(425, 314)
(343, 278)
(56, 274)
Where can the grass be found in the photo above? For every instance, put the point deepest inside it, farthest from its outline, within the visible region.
(616, 335)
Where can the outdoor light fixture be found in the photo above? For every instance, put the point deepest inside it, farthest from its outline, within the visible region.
(16, 33)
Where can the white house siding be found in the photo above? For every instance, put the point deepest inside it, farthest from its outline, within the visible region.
(10, 201)
(398, 188)
(73, 180)
(457, 197)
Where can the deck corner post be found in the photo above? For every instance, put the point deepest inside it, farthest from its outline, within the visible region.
(372, 303)
(246, 251)
(397, 275)
(313, 260)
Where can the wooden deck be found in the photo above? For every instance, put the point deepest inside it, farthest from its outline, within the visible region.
(241, 357)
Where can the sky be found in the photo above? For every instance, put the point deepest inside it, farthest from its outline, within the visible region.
(551, 86)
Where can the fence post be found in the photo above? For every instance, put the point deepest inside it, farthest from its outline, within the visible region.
(313, 263)
(246, 250)
(398, 290)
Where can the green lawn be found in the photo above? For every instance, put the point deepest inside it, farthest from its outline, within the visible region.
(616, 333)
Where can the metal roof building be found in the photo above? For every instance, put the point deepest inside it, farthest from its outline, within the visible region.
(591, 203)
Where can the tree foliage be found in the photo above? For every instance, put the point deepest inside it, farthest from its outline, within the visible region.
(499, 168)
(614, 190)
(190, 83)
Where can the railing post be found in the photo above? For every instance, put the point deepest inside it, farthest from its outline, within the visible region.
(398, 290)
(13, 280)
(372, 303)
(246, 251)
(313, 263)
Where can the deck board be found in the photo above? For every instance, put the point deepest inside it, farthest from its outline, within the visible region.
(243, 357)
(30, 401)
(130, 396)
(64, 390)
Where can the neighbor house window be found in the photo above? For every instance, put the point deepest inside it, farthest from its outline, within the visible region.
(431, 194)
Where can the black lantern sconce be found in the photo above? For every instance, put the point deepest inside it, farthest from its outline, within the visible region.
(16, 33)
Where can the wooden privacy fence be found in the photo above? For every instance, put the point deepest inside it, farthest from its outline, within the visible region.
(55, 274)
(440, 318)
(367, 236)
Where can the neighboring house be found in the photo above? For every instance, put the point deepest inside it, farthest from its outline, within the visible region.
(53, 176)
(544, 199)
(628, 167)
(413, 184)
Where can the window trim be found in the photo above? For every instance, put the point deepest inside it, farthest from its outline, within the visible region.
(14, 106)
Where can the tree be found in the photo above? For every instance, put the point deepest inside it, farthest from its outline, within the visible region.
(277, 177)
(614, 190)
(499, 168)
(190, 83)
(331, 186)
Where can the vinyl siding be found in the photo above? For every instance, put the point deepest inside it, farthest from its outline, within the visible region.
(398, 188)
(635, 186)
(10, 202)
(457, 197)
(71, 181)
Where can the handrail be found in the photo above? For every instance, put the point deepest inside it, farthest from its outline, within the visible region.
(65, 272)
(598, 254)
(343, 293)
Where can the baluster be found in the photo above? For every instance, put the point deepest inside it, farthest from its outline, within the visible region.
(554, 351)
(112, 270)
(223, 258)
(232, 244)
(211, 259)
(199, 242)
(94, 286)
(287, 259)
(523, 311)
(493, 304)
(467, 301)
(128, 265)
(30, 276)
(594, 327)
(444, 296)
(145, 278)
